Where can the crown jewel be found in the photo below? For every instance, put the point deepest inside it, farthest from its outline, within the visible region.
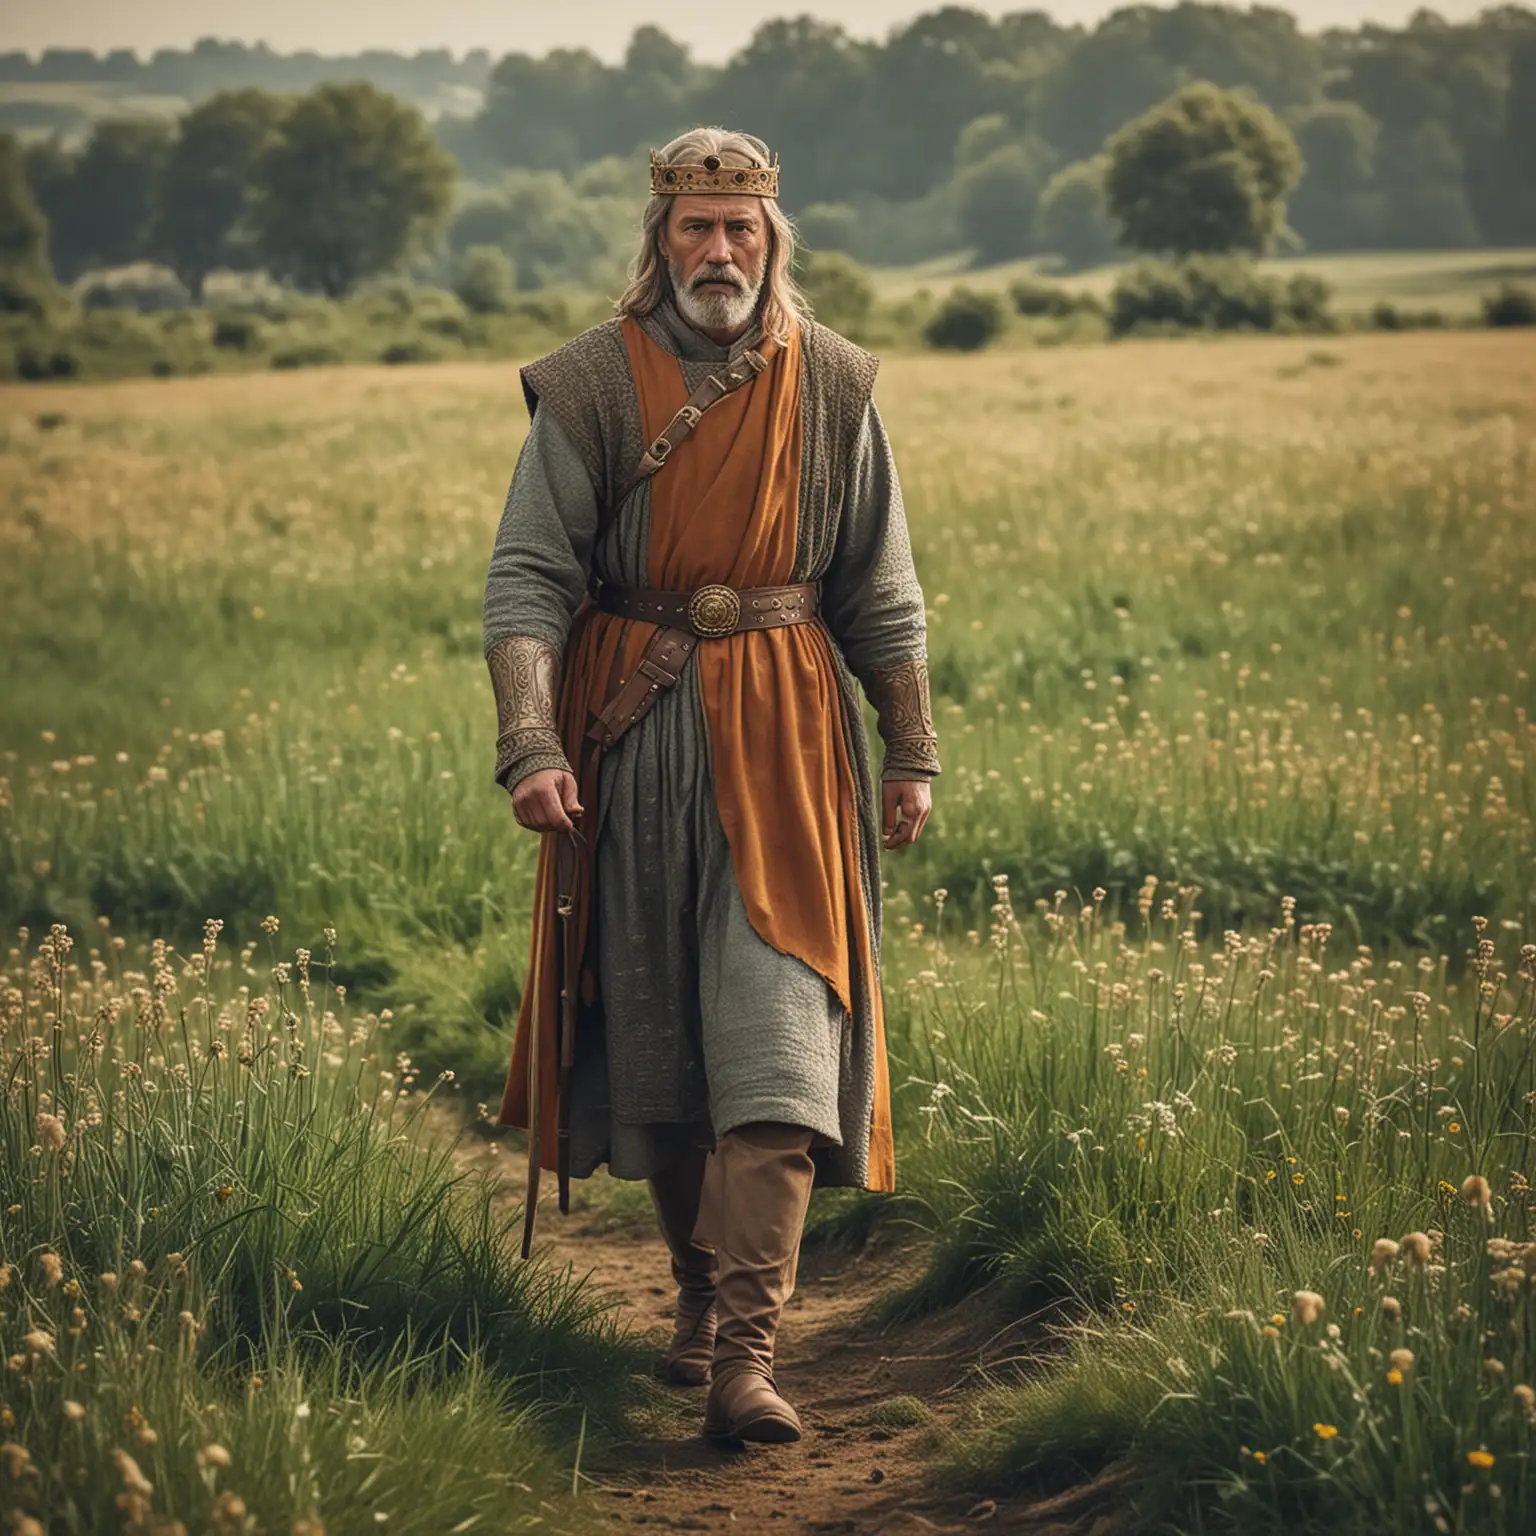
(712, 175)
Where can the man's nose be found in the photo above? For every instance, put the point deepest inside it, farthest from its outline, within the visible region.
(718, 247)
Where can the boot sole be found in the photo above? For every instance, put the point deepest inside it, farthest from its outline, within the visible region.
(768, 1430)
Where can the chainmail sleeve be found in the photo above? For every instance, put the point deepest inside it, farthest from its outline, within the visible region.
(537, 577)
(873, 605)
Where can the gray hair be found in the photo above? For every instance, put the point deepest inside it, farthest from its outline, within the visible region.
(783, 304)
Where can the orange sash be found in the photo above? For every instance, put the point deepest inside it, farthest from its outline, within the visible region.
(726, 509)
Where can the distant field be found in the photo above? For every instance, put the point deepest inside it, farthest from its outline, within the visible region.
(1452, 281)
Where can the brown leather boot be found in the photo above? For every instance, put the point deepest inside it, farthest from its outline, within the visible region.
(761, 1187)
(675, 1192)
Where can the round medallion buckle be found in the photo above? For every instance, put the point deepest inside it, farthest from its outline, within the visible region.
(714, 611)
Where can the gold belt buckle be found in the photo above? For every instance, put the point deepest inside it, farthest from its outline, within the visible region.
(714, 611)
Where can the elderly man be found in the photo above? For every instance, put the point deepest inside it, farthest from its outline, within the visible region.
(703, 546)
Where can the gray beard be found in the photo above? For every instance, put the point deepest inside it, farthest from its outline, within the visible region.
(712, 311)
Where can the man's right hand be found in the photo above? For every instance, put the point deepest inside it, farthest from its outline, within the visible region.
(545, 801)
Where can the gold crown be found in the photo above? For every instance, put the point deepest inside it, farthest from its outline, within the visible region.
(712, 175)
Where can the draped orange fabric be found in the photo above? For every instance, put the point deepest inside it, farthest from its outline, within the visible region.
(725, 509)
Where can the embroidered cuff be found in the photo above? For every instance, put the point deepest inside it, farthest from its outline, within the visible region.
(524, 674)
(900, 695)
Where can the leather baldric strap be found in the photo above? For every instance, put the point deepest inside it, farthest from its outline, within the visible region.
(685, 617)
(711, 613)
(742, 370)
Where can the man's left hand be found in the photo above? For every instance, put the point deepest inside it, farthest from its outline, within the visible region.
(907, 804)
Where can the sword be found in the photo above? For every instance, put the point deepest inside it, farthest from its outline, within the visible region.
(567, 869)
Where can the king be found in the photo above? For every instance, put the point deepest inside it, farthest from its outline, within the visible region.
(702, 559)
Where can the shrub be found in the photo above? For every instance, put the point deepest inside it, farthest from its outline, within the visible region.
(1308, 302)
(27, 291)
(1511, 305)
(1039, 301)
(1387, 316)
(408, 352)
(1216, 293)
(35, 364)
(143, 286)
(487, 280)
(839, 289)
(310, 355)
(965, 321)
(237, 333)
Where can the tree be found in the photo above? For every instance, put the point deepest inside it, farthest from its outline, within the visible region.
(23, 229)
(25, 281)
(996, 198)
(1207, 171)
(1336, 207)
(829, 227)
(1072, 221)
(547, 113)
(203, 186)
(839, 289)
(347, 183)
(99, 202)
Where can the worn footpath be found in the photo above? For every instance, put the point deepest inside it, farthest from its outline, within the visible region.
(871, 1396)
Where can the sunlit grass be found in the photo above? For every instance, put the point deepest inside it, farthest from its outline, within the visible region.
(231, 1251)
(1257, 618)
(1276, 1195)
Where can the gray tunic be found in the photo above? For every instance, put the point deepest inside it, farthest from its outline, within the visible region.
(703, 1026)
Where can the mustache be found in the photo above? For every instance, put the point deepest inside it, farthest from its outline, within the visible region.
(718, 272)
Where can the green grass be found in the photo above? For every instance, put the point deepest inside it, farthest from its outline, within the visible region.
(1253, 617)
(225, 1222)
(1177, 1144)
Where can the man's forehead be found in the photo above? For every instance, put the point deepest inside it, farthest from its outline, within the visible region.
(712, 206)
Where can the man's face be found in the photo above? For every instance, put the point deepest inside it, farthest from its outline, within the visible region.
(716, 250)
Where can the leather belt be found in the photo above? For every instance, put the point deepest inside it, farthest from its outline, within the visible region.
(685, 618)
(713, 612)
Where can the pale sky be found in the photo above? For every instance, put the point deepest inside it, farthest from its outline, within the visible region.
(532, 26)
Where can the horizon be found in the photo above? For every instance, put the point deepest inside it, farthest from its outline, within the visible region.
(602, 26)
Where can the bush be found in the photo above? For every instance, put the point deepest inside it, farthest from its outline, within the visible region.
(27, 291)
(237, 333)
(1216, 293)
(143, 286)
(487, 280)
(1386, 316)
(313, 354)
(35, 364)
(839, 289)
(965, 321)
(1042, 301)
(1511, 305)
(409, 352)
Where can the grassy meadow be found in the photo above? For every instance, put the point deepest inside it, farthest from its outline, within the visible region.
(1212, 970)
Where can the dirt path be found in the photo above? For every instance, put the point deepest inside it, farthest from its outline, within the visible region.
(869, 1397)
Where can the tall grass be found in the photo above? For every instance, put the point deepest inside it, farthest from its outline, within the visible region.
(1257, 617)
(1206, 1163)
(225, 1226)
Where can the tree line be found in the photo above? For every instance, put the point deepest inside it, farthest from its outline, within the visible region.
(957, 130)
